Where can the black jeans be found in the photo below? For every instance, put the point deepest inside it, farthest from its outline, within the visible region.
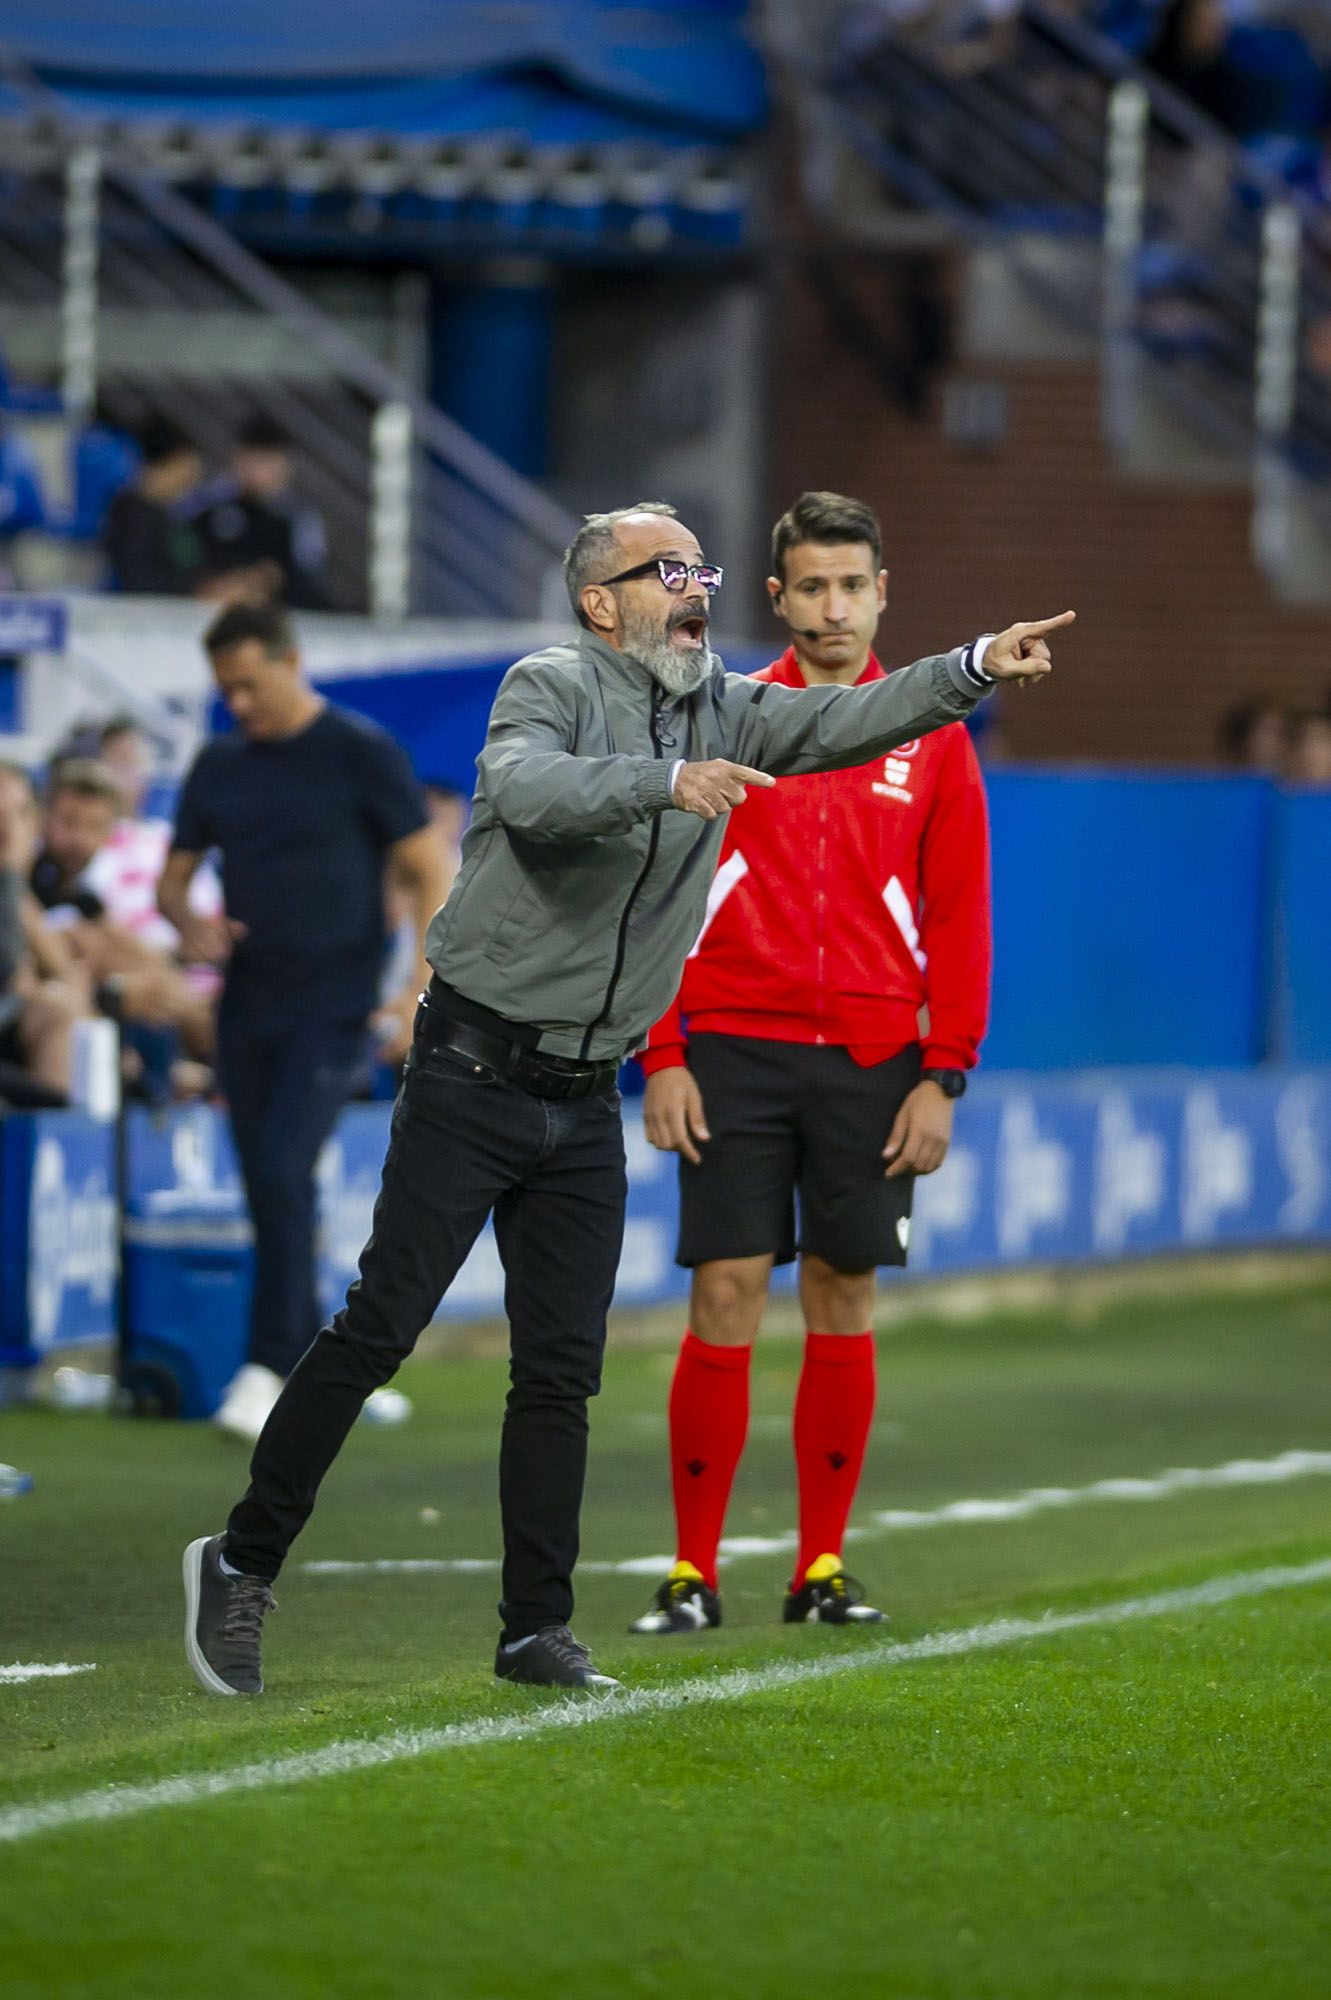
(285, 1082)
(462, 1146)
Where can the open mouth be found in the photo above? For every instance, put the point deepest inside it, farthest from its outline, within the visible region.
(691, 631)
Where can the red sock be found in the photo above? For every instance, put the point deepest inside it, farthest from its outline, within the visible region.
(709, 1421)
(833, 1411)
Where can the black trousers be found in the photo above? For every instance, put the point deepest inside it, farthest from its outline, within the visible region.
(285, 1080)
(464, 1146)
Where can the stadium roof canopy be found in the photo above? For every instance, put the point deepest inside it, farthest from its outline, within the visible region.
(546, 72)
(569, 126)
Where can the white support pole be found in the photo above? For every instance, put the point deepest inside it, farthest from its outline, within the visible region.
(78, 303)
(390, 511)
(1275, 383)
(1126, 125)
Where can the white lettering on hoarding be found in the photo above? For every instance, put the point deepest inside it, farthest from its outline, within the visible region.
(1302, 1143)
(1130, 1174)
(1217, 1165)
(72, 1239)
(1034, 1179)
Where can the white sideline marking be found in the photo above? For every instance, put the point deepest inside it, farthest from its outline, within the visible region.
(337, 1760)
(1036, 1500)
(31, 1671)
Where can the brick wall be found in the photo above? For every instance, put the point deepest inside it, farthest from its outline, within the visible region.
(1175, 622)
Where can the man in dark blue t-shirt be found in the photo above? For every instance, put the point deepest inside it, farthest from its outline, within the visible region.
(311, 809)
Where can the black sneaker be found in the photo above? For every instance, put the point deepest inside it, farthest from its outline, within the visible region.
(684, 1603)
(553, 1659)
(828, 1596)
(223, 1622)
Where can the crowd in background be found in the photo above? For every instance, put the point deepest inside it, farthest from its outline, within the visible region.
(1293, 746)
(82, 939)
(142, 494)
(1258, 67)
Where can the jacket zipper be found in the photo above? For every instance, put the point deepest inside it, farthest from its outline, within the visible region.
(621, 945)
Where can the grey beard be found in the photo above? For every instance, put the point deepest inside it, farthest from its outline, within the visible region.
(676, 673)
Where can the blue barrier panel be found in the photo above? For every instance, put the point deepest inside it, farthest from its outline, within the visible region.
(1084, 1168)
(59, 1254)
(1302, 1027)
(1130, 919)
(1124, 1164)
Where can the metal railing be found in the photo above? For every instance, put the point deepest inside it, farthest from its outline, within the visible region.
(1187, 258)
(421, 516)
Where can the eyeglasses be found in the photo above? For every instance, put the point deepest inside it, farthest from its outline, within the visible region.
(675, 574)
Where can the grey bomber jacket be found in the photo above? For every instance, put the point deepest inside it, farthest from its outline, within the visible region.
(582, 888)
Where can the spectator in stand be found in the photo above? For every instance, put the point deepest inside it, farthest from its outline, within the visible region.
(41, 992)
(151, 550)
(257, 538)
(1190, 53)
(1308, 759)
(104, 457)
(124, 872)
(1251, 736)
(132, 981)
(21, 504)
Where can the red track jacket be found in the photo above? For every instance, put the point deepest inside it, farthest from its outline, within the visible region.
(843, 905)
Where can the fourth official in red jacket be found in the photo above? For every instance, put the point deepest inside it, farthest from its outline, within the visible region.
(830, 1010)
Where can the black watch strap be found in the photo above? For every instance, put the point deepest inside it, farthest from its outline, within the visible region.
(952, 1082)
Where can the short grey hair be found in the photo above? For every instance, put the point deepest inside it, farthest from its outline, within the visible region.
(593, 549)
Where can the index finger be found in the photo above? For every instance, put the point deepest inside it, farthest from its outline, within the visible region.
(749, 777)
(1040, 625)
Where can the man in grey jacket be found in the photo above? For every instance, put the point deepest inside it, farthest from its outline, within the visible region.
(609, 766)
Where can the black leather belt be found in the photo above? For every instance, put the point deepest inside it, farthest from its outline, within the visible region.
(555, 1077)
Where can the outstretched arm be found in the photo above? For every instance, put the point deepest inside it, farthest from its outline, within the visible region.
(791, 731)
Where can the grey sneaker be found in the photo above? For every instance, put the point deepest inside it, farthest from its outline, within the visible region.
(223, 1622)
(554, 1658)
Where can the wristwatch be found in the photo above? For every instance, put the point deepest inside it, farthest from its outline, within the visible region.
(952, 1082)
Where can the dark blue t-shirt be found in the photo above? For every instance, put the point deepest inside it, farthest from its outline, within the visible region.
(304, 824)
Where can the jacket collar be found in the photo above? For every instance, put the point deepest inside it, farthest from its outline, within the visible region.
(614, 665)
(786, 671)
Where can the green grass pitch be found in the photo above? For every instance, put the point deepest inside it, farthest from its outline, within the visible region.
(1112, 1809)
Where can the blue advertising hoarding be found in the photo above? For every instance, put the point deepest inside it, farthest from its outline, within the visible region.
(1084, 1169)
(59, 1233)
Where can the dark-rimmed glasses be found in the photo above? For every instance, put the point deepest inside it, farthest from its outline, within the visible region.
(674, 574)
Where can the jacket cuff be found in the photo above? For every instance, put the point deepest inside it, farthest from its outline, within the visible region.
(959, 681)
(669, 1056)
(939, 1055)
(651, 787)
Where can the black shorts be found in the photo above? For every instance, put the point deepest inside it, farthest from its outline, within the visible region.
(787, 1118)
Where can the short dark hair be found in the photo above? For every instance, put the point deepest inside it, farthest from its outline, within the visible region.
(241, 623)
(260, 433)
(826, 518)
(161, 440)
(86, 778)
